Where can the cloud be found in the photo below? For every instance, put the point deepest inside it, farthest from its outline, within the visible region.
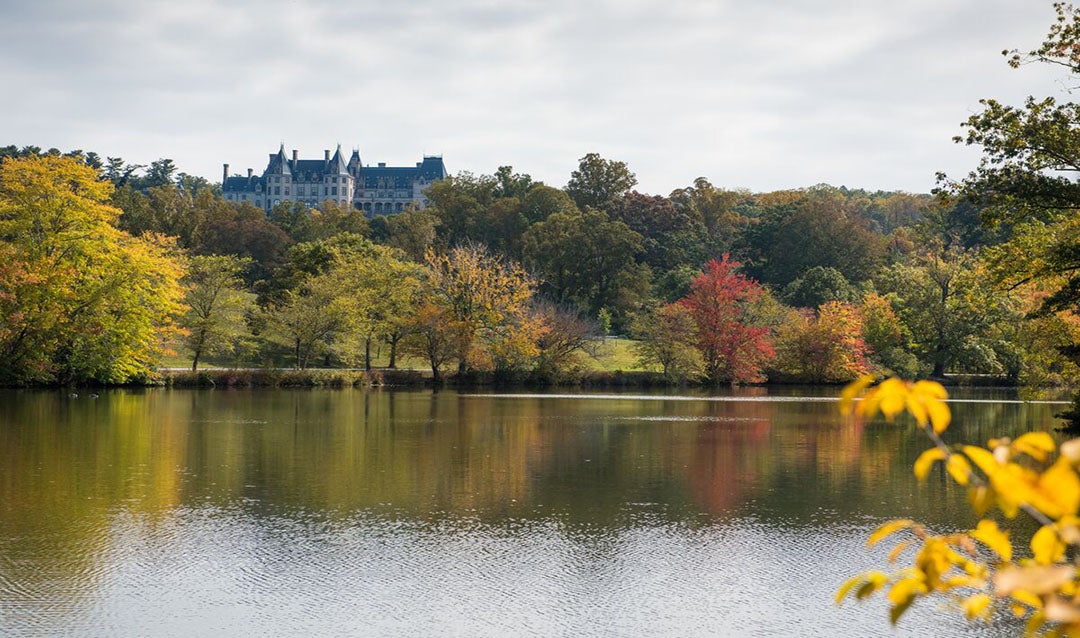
(763, 95)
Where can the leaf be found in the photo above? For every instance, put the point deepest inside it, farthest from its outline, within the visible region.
(852, 390)
(1061, 485)
(1025, 584)
(981, 499)
(896, 611)
(1046, 547)
(983, 459)
(848, 585)
(977, 606)
(1037, 445)
(874, 582)
(988, 533)
(958, 468)
(888, 528)
(900, 547)
(926, 461)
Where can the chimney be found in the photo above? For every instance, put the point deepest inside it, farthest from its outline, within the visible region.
(382, 164)
(225, 173)
(294, 156)
(326, 155)
(249, 173)
(419, 164)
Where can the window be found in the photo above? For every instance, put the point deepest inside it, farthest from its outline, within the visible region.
(333, 191)
(286, 190)
(277, 190)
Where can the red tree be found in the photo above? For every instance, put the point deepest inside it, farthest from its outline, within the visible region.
(734, 350)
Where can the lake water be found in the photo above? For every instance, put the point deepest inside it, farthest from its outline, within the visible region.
(378, 513)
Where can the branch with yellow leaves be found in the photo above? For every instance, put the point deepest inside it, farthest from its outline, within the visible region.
(1030, 474)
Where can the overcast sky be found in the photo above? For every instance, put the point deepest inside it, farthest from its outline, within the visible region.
(761, 94)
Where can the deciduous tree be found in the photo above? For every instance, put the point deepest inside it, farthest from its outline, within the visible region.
(734, 350)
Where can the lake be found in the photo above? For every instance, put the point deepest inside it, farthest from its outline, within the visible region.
(417, 513)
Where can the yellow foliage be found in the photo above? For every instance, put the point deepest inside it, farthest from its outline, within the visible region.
(988, 534)
(1029, 474)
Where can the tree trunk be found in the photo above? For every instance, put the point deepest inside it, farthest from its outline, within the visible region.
(367, 353)
(393, 351)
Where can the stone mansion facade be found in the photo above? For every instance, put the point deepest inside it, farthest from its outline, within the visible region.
(376, 190)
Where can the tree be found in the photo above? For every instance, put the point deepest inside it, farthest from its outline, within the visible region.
(307, 319)
(818, 285)
(378, 291)
(948, 303)
(597, 180)
(217, 305)
(715, 208)
(671, 236)
(1026, 179)
(82, 300)
(585, 258)
(484, 295)
(817, 229)
(734, 350)
(566, 336)
(668, 337)
(242, 231)
(825, 346)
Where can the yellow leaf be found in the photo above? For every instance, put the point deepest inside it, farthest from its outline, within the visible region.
(853, 390)
(874, 582)
(888, 528)
(893, 397)
(906, 589)
(875, 579)
(982, 458)
(848, 585)
(1046, 547)
(1061, 485)
(977, 606)
(900, 547)
(940, 416)
(981, 499)
(930, 390)
(988, 533)
(1037, 445)
(926, 460)
(958, 468)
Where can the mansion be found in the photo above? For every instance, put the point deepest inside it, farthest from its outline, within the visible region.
(376, 190)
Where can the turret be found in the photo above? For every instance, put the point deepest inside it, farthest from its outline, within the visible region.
(225, 174)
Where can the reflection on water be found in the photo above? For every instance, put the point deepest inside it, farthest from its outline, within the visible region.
(418, 513)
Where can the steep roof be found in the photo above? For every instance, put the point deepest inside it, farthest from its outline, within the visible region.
(238, 184)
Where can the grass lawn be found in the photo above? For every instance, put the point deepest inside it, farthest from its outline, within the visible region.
(612, 354)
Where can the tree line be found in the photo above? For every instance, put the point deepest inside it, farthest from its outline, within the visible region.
(107, 264)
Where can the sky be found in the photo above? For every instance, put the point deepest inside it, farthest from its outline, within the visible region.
(757, 94)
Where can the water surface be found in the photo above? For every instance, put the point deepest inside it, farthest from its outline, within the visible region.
(376, 513)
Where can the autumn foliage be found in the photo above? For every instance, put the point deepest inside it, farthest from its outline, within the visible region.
(1022, 569)
(733, 349)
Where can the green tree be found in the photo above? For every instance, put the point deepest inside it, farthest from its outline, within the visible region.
(668, 337)
(378, 291)
(949, 305)
(588, 259)
(597, 180)
(217, 306)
